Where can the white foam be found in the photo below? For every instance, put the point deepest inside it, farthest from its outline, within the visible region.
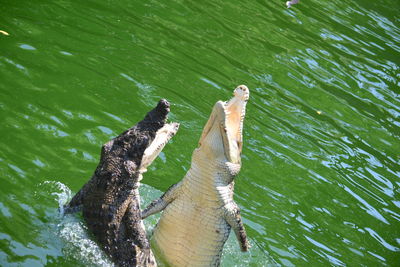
(77, 244)
(73, 233)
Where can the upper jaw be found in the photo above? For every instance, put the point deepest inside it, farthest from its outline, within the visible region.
(163, 107)
(227, 118)
(234, 113)
(242, 93)
(159, 114)
(164, 132)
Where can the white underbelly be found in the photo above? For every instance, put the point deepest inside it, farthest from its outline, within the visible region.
(189, 234)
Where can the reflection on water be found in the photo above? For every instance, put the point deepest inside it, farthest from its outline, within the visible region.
(320, 178)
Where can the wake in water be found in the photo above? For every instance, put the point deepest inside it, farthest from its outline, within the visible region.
(79, 246)
(72, 231)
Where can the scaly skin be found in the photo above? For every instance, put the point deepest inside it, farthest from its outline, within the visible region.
(199, 211)
(110, 199)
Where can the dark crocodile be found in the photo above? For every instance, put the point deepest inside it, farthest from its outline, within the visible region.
(110, 200)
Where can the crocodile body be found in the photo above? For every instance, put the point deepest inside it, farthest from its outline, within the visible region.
(199, 211)
(110, 200)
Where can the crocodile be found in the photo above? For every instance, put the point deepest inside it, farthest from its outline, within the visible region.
(110, 200)
(199, 211)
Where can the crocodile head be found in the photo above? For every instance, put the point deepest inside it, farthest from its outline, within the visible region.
(223, 131)
(138, 146)
(160, 132)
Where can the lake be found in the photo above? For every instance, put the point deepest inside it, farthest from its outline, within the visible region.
(320, 178)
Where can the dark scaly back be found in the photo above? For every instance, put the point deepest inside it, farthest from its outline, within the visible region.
(111, 205)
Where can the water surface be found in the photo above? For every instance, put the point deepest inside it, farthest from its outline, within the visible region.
(319, 183)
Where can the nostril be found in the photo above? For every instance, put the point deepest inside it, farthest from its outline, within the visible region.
(164, 103)
(243, 88)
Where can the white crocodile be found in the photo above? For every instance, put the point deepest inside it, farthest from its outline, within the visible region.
(199, 211)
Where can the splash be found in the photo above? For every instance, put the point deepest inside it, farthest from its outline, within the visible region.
(73, 232)
(77, 244)
(62, 195)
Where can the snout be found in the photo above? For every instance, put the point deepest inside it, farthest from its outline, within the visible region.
(163, 106)
(242, 92)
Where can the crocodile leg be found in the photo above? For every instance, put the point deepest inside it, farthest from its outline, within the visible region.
(76, 203)
(233, 218)
(134, 227)
(161, 203)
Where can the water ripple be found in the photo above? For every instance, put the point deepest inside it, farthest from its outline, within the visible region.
(319, 183)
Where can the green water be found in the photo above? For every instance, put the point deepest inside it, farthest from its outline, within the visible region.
(319, 184)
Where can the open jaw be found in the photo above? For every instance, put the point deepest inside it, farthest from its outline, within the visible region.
(232, 126)
(163, 135)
